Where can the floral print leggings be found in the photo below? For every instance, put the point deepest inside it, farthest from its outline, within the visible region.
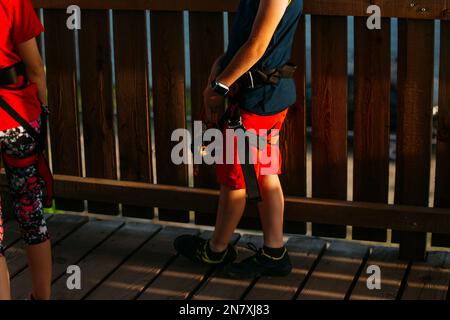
(26, 187)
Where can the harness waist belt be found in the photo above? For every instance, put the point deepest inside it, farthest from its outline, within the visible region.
(254, 78)
(10, 75)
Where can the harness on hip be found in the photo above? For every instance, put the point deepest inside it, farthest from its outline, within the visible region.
(11, 76)
(258, 77)
(232, 119)
(8, 77)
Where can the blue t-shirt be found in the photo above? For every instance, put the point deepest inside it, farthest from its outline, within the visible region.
(266, 99)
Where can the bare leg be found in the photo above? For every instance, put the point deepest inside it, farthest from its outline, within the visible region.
(40, 263)
(271, 210)
(5, 292)
(229, 213)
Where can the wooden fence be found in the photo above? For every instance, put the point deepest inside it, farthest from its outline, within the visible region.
(369, 213)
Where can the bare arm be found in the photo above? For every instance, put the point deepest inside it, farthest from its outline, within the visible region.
(215, 70)
(212, 102)
(269, 15)
(30, 55)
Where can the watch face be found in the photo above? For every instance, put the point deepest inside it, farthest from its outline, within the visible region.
(219, 88)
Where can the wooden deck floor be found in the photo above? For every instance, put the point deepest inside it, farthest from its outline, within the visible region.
(123, 260)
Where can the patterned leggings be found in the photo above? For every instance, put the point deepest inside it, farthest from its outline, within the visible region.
(26, 187)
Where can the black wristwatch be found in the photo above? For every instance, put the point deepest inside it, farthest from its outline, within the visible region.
(220, 88)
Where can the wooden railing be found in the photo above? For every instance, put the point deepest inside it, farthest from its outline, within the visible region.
(411, 9)
(139, 195)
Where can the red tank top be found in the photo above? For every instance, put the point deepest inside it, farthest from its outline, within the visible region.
(19, 23)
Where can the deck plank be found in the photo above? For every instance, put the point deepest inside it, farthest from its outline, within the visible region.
(69, 252)
(429, 280)
(392, 273)
(303, 252)
(133, 276)
(179, 279)
(105, 258)
(119, 260)
(335, 272)
(218, 287)
(59, 227)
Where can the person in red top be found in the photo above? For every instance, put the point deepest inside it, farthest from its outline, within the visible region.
(25, 93)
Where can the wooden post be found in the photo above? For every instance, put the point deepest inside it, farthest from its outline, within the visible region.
(169, 99)
(415, 88)
(329, 114)
(97, 101)
(371, 119)
(293, 134)
(442, 192)
(133, 110)
(206, 45)
(62, 99)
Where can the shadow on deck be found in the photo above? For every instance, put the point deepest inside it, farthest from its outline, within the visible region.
(124, 260)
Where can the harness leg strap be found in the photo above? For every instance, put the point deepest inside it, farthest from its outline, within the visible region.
(248, 168)
(250, 177)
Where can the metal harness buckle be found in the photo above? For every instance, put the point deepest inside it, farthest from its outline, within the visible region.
(233, 124)
(274, 77)
(252, 81)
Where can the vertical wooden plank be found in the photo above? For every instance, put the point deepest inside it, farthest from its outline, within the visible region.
(169, 99)
(62, 99)
(415, 94)
(293, 134)
(371, 119)
(96, 95)
(442, 192)
(133, 110)
(206, 45)
(329, 113)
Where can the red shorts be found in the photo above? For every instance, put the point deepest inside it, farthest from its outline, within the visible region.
(267, 161)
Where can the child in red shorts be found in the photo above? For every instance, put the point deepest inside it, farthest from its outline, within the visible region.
(255, 68)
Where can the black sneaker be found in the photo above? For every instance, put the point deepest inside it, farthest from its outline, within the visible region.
(260, 264)
(197, 249)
